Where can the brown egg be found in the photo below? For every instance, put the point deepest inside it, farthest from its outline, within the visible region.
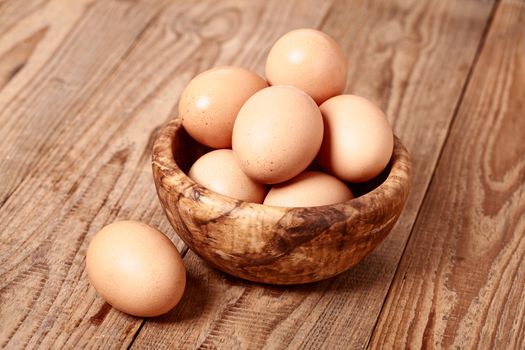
(209, 104)
(358, 140)
(136, 268)
(277, 134)
(309, 189)
(219, 171)
(310, 60)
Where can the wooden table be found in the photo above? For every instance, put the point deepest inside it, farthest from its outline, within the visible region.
(85, 85)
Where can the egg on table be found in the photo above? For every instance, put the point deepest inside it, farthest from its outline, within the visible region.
(358, 140)
(136, 268)
(210, 102)
(277, 134)
(219, 171)
(309, 60)
(309, 189)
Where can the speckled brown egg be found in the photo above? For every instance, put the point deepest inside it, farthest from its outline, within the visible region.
(309, 189)
(358, 140)
(310, 60)
(219, 171)
(136, 268)
(277, 134)
(209, 104)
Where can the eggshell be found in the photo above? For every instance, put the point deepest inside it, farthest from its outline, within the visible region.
(310, 60)
(136, 268)
(277, 134)
(209, 104)
(309, 189)
(358, 140)
(219, 171)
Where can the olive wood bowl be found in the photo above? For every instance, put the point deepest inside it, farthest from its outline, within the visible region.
(273, 244)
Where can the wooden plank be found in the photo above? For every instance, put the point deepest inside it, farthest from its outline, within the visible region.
(78, 120)
(461, 281)
(400, 57)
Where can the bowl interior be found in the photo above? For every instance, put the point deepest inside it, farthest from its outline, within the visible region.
(186, 151)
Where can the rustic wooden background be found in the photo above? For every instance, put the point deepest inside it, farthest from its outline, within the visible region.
(85, 84)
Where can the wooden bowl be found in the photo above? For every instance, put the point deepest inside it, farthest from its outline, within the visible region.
(273, 244)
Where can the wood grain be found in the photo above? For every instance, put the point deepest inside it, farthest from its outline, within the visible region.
(400, 57)
(78, 121)
(13, 11)
(88, 84)
(85, 85)
(270, 244)
(461, 281)
(63, 178)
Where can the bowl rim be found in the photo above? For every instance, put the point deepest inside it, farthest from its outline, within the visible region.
(172, 176)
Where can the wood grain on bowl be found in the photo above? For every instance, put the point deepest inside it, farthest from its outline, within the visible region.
(272, 244)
